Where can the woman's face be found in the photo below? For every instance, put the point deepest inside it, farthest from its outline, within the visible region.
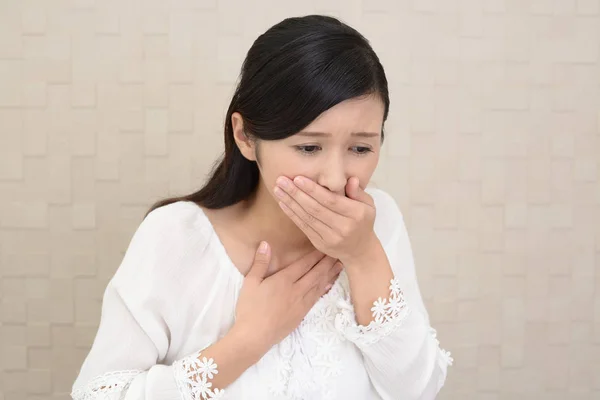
(342, 142)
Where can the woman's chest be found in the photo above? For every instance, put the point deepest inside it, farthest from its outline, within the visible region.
(314, 361)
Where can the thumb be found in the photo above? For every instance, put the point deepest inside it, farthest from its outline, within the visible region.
(355, 192)
(352, 188)
(262, 259)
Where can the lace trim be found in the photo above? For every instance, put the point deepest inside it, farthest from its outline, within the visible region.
(445, 358)
(192, 375)
(388, 315)
(306, 372)
(301, 374)
(112, 382)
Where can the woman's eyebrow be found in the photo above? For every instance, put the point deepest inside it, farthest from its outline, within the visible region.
(325, 134)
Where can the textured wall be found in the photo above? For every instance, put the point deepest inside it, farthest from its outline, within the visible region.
(492, 152)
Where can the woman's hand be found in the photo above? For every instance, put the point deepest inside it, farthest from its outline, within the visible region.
(339, 226)
(269, 308)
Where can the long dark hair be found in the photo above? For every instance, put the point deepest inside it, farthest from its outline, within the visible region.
(293, 72)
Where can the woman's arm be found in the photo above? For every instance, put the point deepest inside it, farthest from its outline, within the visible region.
(400, 350)
(369, 279)
(122, 363)
(235, 352)
(139, 319)
(391, 326)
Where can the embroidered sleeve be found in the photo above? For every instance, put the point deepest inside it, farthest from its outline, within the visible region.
(400, 350)
(388, 315)
(193, 375)
(133, 335)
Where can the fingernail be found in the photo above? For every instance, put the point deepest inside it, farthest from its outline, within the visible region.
(299, 181)
(263, 248)
(283, 182)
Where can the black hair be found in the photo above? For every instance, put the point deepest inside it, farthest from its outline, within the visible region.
(296, 70)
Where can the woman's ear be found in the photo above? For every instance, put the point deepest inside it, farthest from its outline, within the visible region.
(245, 143)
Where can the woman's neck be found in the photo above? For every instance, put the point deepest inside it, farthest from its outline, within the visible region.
(264, 218)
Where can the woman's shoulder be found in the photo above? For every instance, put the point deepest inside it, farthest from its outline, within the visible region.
(174, 223)
(171, 251)
(179, 214)
(385, 204)
(167, 233)
(389, 220)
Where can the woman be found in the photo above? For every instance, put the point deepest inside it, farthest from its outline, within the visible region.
(282, 278)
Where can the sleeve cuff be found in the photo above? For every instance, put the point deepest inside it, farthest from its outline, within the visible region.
(193, 375)
(189, 377)
(388, 315)
(104, 386)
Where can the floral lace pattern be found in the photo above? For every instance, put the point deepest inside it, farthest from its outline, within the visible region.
(306, 362)
(193, 375)
(445, 358)
(309, 357)
(305, 374)
(327, 325)
(388, 315)
(106, 386)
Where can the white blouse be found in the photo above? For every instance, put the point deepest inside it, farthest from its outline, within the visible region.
(175, 293)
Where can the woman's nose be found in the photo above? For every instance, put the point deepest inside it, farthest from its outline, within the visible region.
(333, 178)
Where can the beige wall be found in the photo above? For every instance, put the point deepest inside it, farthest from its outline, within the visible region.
(492, 151)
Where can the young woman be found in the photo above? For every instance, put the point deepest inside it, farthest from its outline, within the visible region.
(283, 277)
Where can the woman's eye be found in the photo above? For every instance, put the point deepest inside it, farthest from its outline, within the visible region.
(361, 149)
(308, 149)
(313, 149)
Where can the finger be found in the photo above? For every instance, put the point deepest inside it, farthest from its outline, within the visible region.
(308, 204)
(311, 297)
(355, 192)
(315, 276)
(307, 227)
(328, 199)
(334, 273)
(260, 265)
(322, 286)
(298, 268)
